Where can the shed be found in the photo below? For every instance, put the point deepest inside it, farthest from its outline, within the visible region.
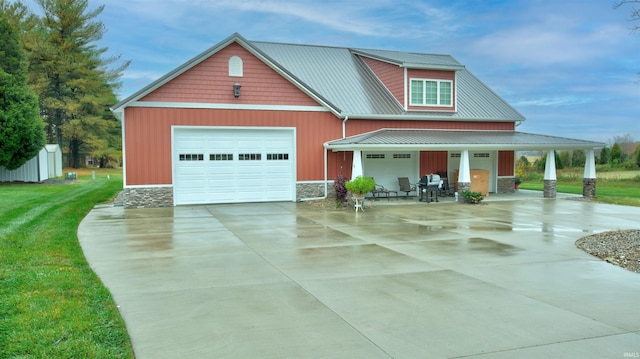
(54, 160)
(46, 164)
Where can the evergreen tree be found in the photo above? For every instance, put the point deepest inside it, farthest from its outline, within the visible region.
(578, 158)
(616, 154)
(637, 155)
(604, 156)
(21, 129)
(71, 78)
(565, 158)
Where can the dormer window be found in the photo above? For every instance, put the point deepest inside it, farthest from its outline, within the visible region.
(235, 66)
(428, 92)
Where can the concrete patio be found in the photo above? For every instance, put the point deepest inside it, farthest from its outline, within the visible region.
(501, 279)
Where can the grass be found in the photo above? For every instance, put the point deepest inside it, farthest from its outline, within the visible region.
(619, 187)
(52, 305)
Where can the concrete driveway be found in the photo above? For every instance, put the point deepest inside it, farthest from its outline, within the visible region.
(502, 279)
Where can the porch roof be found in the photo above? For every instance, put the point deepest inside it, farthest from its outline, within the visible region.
(457, 140)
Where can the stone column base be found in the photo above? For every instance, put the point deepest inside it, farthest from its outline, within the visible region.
(550, 188)
(463, 186)
(588, 187)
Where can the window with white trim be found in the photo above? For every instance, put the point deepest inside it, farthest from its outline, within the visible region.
(425, 92)
(378, 156)
(221, 157)
(191, 157)
(250, 157)
(277, 156)
(401, 155)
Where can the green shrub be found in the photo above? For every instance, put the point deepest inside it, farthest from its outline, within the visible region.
(473, 197)
(360, 185)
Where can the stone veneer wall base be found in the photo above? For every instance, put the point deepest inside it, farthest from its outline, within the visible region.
(312, 190)
(506, 185)
(148, 197)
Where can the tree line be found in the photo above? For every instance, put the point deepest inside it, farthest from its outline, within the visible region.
(624, 153)
(58, 83)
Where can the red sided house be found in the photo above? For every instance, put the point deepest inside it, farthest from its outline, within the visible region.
(250, 121)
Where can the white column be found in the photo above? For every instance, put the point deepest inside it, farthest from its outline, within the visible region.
(590, 165)
(464, 173)
(356, 167)
(550, 166)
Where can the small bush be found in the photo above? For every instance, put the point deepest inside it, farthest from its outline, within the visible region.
(473, 197)
(341, 190)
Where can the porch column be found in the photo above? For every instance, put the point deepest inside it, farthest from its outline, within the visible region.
(550, 175)
(464, 174)
(589, 180)
(356, 167)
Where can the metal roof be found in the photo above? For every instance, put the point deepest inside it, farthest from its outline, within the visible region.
(335, 74)
(418, 139)
(413, 60)
(342, 77)
(338, 78)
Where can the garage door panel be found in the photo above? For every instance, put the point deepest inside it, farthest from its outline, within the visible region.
(222, 176)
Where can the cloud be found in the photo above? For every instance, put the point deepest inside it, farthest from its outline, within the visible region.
(546, 44)
(553, 101)
(378, 18)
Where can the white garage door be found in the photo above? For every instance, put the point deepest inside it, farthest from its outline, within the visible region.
(218, 165)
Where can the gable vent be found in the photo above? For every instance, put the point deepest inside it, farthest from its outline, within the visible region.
(235, 66)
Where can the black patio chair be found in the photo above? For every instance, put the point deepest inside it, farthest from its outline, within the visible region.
(406, 186)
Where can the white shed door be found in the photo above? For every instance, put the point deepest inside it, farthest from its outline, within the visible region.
(213, 165)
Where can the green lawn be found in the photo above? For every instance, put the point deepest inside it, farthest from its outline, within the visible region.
(52, 305)
(620, 187)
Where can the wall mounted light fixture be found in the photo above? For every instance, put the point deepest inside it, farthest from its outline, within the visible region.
(236, 90)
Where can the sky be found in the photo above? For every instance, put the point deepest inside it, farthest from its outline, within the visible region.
(572, 68)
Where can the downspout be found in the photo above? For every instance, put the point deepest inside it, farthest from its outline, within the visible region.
(344, 126)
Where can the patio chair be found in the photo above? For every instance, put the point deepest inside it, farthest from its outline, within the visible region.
(379, 189)
(445, 189)
(406, 186)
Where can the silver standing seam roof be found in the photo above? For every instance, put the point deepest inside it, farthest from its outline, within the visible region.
(452, 140)
(340, 75)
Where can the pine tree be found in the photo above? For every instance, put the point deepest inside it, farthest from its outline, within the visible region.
(615, 155)
(73, 83)
(21, 129)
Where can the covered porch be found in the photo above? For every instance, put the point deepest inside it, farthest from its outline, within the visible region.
(387, 154)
